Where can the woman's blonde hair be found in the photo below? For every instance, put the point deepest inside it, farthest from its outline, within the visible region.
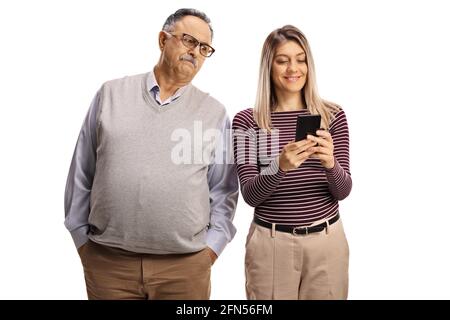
(266, 99)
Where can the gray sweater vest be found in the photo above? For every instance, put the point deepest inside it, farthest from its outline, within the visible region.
(150, 192)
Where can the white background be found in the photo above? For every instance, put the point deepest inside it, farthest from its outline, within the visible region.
(386, 62)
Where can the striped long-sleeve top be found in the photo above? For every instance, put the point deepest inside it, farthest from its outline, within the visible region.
(297, 197)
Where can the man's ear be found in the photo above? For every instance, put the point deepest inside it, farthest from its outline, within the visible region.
(162, 38)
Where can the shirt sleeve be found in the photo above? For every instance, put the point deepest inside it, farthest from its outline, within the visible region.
(339, 177)
(256, 186)
(223, 192)
(81, 176)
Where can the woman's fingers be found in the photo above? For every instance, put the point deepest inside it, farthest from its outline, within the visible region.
(324, 134)
(301, 157)
(299, 146)
(321, 150)
(326, 160)
(321, 141)
(304, 145)
(290, 146)
(316, 147)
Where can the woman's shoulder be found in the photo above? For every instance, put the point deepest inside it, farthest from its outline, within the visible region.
(333, 108)
(244, 118)
(338, 111)
(245, 113)
(338, 116)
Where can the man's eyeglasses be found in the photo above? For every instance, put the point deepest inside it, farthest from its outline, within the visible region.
(191, 43)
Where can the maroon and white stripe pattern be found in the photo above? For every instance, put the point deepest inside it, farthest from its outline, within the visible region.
(298, 197)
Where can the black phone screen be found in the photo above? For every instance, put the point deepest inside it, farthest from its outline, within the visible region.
(307, 124)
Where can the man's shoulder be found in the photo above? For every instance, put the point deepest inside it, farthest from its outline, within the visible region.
(125, 81)
(207, 99)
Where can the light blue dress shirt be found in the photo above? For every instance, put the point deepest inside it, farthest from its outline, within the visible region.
(153, 86)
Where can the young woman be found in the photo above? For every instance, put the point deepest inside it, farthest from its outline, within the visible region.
(296, 247)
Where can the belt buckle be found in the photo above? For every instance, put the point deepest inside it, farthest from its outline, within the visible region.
(294, 231)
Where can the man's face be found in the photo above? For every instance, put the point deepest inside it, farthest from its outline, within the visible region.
(176, 56)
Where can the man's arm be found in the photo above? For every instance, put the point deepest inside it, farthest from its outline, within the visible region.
(81, 176)
(224, 192)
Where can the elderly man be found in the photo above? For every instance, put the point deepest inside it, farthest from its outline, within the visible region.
(150, 198)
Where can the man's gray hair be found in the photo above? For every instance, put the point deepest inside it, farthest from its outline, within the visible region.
(180, 13)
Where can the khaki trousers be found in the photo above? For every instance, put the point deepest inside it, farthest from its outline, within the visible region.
(281, 265)
(113, 273)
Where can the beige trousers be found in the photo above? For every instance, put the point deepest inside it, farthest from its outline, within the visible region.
(281, 265)
(113, 273)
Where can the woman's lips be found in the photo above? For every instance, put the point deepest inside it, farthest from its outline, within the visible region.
(292, 79)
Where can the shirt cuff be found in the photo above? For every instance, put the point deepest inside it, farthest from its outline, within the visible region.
(80, 235)
(333, 173)
(216, 240)
(274, 170)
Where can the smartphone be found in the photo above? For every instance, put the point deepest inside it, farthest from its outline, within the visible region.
(307, 124)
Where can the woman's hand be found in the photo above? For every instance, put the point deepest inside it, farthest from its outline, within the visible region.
(294, 154)
(324, 148)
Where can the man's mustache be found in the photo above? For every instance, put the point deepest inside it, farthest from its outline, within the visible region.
(189, 58)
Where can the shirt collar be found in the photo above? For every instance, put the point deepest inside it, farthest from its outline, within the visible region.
(153, 86)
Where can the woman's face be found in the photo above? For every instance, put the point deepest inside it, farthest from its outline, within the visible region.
(289, 68)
